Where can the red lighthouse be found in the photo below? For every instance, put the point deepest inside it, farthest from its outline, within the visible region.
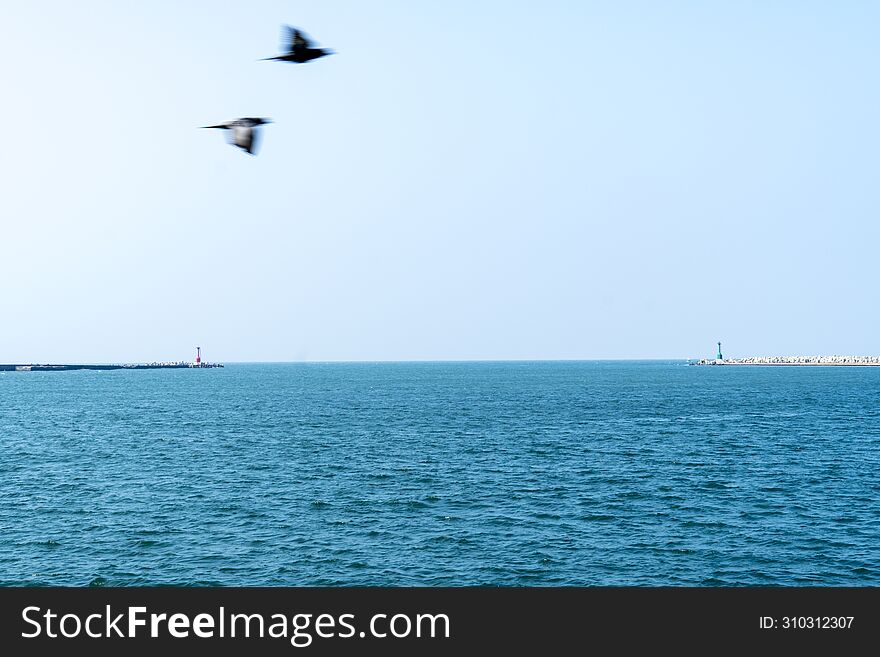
(198, 356)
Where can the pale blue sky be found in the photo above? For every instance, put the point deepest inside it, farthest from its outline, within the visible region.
(463, 180)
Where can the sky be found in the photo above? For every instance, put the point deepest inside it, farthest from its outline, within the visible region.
(462, 180)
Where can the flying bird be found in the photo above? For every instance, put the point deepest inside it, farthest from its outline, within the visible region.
(299, 47)
(243, 133)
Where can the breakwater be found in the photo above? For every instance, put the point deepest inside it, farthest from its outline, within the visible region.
(138, 366)
(850, 361)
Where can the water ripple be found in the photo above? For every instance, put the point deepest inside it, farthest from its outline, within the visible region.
(441, 474)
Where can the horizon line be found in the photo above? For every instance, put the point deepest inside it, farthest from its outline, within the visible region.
(376, 361)
(369, 360)
(403, 360)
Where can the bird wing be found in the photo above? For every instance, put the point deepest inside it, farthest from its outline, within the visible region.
(244, 137)
(297, 39)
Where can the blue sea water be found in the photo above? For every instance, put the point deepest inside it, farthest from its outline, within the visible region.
(517, 473)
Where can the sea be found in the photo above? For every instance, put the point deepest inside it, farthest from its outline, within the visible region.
(649, 473)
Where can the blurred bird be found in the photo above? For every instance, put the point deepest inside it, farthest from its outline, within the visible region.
(300, 48)
(243, 132)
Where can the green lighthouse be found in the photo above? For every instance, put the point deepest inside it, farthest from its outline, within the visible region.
(719, 356)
